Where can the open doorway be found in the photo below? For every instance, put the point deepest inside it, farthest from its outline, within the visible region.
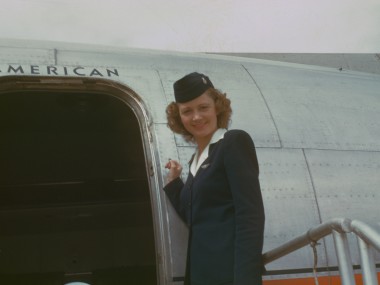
(74, 195)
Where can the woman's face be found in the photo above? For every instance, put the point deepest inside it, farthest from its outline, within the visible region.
(199, 117)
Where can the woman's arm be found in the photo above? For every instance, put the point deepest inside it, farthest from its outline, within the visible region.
(174, 185)
(243, 176)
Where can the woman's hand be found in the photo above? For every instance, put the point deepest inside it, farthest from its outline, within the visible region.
(175, 169)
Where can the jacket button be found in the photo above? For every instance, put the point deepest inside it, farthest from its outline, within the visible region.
(189, 204)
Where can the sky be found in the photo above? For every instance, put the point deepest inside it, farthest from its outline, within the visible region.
(269, 26)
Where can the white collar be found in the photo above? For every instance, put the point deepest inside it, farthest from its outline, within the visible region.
(197, 162)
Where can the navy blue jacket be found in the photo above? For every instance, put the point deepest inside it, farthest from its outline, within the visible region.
(223, 208)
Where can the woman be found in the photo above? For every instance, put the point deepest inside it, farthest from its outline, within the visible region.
(221, 200)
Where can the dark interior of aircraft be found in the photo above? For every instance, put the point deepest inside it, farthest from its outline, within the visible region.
(74, 196)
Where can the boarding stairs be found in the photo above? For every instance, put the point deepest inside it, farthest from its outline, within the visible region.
(368, 242)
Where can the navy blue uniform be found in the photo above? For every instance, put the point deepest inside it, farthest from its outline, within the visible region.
(223, 208)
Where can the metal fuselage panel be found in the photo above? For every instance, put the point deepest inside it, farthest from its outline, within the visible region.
(316, 131)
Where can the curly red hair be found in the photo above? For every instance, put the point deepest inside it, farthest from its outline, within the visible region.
(222, 106)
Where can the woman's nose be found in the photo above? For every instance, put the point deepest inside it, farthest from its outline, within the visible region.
(196, 116)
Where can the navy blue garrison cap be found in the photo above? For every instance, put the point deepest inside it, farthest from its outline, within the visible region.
(191, 86)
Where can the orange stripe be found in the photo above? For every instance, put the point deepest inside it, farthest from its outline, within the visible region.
(322, 280)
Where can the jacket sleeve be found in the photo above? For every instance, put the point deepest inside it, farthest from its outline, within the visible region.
(243, 177)
(173, 191)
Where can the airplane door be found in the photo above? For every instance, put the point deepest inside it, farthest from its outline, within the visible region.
(75, 202)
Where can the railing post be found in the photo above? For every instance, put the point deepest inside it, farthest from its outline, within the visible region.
(344, 258)
(367, 263)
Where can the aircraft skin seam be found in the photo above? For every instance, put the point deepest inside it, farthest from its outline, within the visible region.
(266, 104)
(317, 205)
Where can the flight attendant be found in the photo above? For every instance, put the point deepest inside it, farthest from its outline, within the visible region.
(221, 200)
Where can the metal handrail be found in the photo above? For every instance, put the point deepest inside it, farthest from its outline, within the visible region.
(312, 235)
(369, 234)
(368, 239)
